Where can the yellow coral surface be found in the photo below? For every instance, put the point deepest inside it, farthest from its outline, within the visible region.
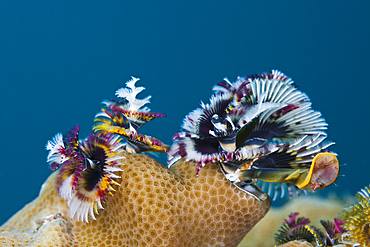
(153, 206)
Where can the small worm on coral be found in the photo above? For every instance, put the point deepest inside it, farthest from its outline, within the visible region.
(261, 127)
(125, 117)
(100, 154)
(87, 168)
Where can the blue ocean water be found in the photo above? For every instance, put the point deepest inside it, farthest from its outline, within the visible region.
(60, 59)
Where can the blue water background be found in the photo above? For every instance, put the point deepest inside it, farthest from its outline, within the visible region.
(60, 59)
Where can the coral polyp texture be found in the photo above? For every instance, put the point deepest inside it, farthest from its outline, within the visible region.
(152, 206)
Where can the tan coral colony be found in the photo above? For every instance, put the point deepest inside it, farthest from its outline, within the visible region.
(153, 206)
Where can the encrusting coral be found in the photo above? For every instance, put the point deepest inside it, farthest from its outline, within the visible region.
(152, 206)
